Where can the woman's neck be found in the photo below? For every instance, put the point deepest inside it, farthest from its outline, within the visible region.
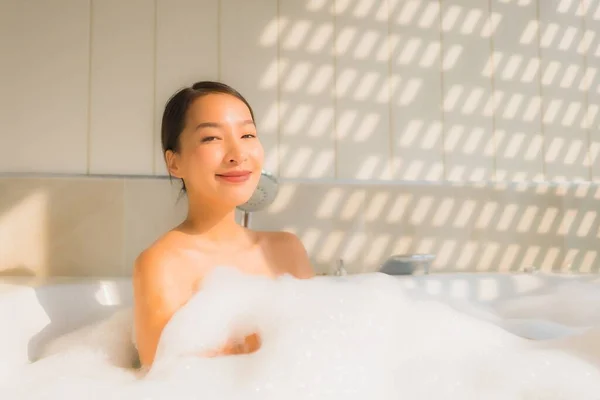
(213, 223)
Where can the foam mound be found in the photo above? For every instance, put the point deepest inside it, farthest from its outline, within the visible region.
(357, 337)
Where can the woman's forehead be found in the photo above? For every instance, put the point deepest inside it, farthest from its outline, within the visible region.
(219, 107)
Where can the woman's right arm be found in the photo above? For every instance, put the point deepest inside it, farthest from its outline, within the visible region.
(157, 296)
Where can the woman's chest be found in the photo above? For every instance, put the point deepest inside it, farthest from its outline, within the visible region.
(254, 262)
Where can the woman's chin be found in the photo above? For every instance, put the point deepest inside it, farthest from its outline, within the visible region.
(230, 196)
(237, 199)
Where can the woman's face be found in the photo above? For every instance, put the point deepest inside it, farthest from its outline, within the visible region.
(220, 157)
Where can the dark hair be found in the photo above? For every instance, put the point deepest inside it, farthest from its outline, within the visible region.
(173, 119)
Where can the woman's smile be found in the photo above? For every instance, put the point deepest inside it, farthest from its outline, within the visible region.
(235, 176)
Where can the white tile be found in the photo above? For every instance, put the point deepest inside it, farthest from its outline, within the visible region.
(186, 52)
(426, 219)
(563, 101)
(580, 228)
(7, 49)
(467, 89)
(248, 62)
(85, 227)
(61, 226)
(591, 85)
(44, 81)
(122, 87)
(518, 130)
(415, 82)
(362, 90)
(518, 227)
(306, 64)
(474, 227)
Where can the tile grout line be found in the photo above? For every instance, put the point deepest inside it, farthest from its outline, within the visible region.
(442, 95)
(302, 181)
(494, 176)
(89, 99)
(335, 93)
(278, 105)
(392, 131)
(154, 73)
(540, 88)
(219, 39)
(587, 83)
(124, 266)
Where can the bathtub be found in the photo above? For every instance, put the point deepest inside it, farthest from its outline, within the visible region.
(34, 312)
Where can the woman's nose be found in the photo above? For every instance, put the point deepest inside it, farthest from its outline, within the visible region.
(236, 153)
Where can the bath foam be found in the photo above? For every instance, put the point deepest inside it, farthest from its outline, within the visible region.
(355, 337)
(109, 338)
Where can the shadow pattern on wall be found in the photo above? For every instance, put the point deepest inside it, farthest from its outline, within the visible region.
(470, 227)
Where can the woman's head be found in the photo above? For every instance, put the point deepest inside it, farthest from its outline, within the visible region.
(210, 142)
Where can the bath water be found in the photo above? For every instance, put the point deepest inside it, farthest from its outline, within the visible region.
(355, 337)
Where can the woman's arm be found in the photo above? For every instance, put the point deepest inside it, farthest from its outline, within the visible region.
(157, 296)
(159, 292)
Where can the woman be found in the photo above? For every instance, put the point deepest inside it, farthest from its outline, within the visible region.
(210, 142)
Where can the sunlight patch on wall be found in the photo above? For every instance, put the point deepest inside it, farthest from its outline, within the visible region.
(284, 198)
(24, 236)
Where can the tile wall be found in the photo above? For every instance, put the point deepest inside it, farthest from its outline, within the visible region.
(468, 129)
(97, 226)
(391, 90)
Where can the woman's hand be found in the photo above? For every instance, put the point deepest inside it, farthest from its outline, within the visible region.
(249, 345)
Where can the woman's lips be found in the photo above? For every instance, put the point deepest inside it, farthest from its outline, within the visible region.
(235, 176)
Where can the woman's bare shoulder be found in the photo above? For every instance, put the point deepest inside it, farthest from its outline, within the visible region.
(289, 249)
(161, 258)
(160, 251)
(280, 238)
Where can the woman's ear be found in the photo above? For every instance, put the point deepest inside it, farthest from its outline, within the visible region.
(172, 160)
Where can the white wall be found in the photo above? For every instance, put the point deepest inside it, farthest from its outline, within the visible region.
(346, 89)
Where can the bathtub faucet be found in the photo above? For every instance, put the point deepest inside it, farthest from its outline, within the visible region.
(339, 268)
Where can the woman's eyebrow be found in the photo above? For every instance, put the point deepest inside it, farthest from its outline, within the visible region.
(208, 125)
(218, 125)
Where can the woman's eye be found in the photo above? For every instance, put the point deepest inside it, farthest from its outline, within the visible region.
(209, 139)
(249, 135)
